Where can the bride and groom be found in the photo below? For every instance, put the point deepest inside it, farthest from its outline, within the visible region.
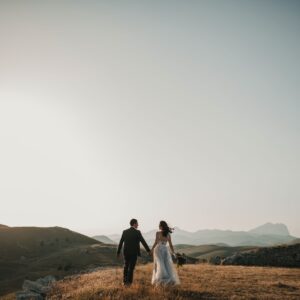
(163, 270)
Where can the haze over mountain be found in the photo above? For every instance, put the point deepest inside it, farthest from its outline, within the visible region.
(103, 239)
(270, 228)
(265, 235)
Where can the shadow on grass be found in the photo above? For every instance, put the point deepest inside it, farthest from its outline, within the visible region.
(186, 294)
(285, 286)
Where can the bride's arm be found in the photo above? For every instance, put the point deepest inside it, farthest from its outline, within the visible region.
(155, 243)
(170, 243)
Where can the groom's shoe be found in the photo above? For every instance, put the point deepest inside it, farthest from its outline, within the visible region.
(126, 284)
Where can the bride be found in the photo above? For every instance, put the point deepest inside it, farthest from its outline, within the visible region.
(163, 272)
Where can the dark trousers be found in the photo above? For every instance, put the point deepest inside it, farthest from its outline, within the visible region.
(129, 265)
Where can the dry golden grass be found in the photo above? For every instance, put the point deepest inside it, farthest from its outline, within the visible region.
(197, 282)
(11, 296)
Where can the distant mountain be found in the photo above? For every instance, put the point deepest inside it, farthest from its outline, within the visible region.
(33, 252)
(104, 239)
(269, 228)
(265, 235)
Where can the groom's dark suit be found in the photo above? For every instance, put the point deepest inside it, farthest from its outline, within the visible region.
(131, 238)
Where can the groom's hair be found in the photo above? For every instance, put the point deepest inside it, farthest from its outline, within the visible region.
(133, 221)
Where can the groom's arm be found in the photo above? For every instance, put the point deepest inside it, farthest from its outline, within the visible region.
(120, 244)
(144, 242)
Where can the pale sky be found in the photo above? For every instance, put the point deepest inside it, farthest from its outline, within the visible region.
(186, 111)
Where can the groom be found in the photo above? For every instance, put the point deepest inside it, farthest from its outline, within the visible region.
(131, 238)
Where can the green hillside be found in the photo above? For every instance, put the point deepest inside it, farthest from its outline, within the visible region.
(33, 252)
(208, 251)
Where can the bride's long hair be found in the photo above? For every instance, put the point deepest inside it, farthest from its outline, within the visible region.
(165, 228)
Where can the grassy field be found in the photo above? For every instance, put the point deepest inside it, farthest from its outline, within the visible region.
(197, 282)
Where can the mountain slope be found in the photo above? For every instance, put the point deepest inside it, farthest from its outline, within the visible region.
(279, 256)
(33, 252)
(209, 251)
(33, 241)
(273, 229)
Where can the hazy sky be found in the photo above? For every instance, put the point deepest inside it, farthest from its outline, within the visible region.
(187, 111)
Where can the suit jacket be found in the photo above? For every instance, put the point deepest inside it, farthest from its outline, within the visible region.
(131, 238)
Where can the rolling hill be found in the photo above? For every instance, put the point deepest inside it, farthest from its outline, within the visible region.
(208, 251)
(33, 252)
(277, 256)
(280, 256)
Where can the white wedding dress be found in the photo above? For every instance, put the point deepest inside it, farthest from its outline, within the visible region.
(163, 271)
